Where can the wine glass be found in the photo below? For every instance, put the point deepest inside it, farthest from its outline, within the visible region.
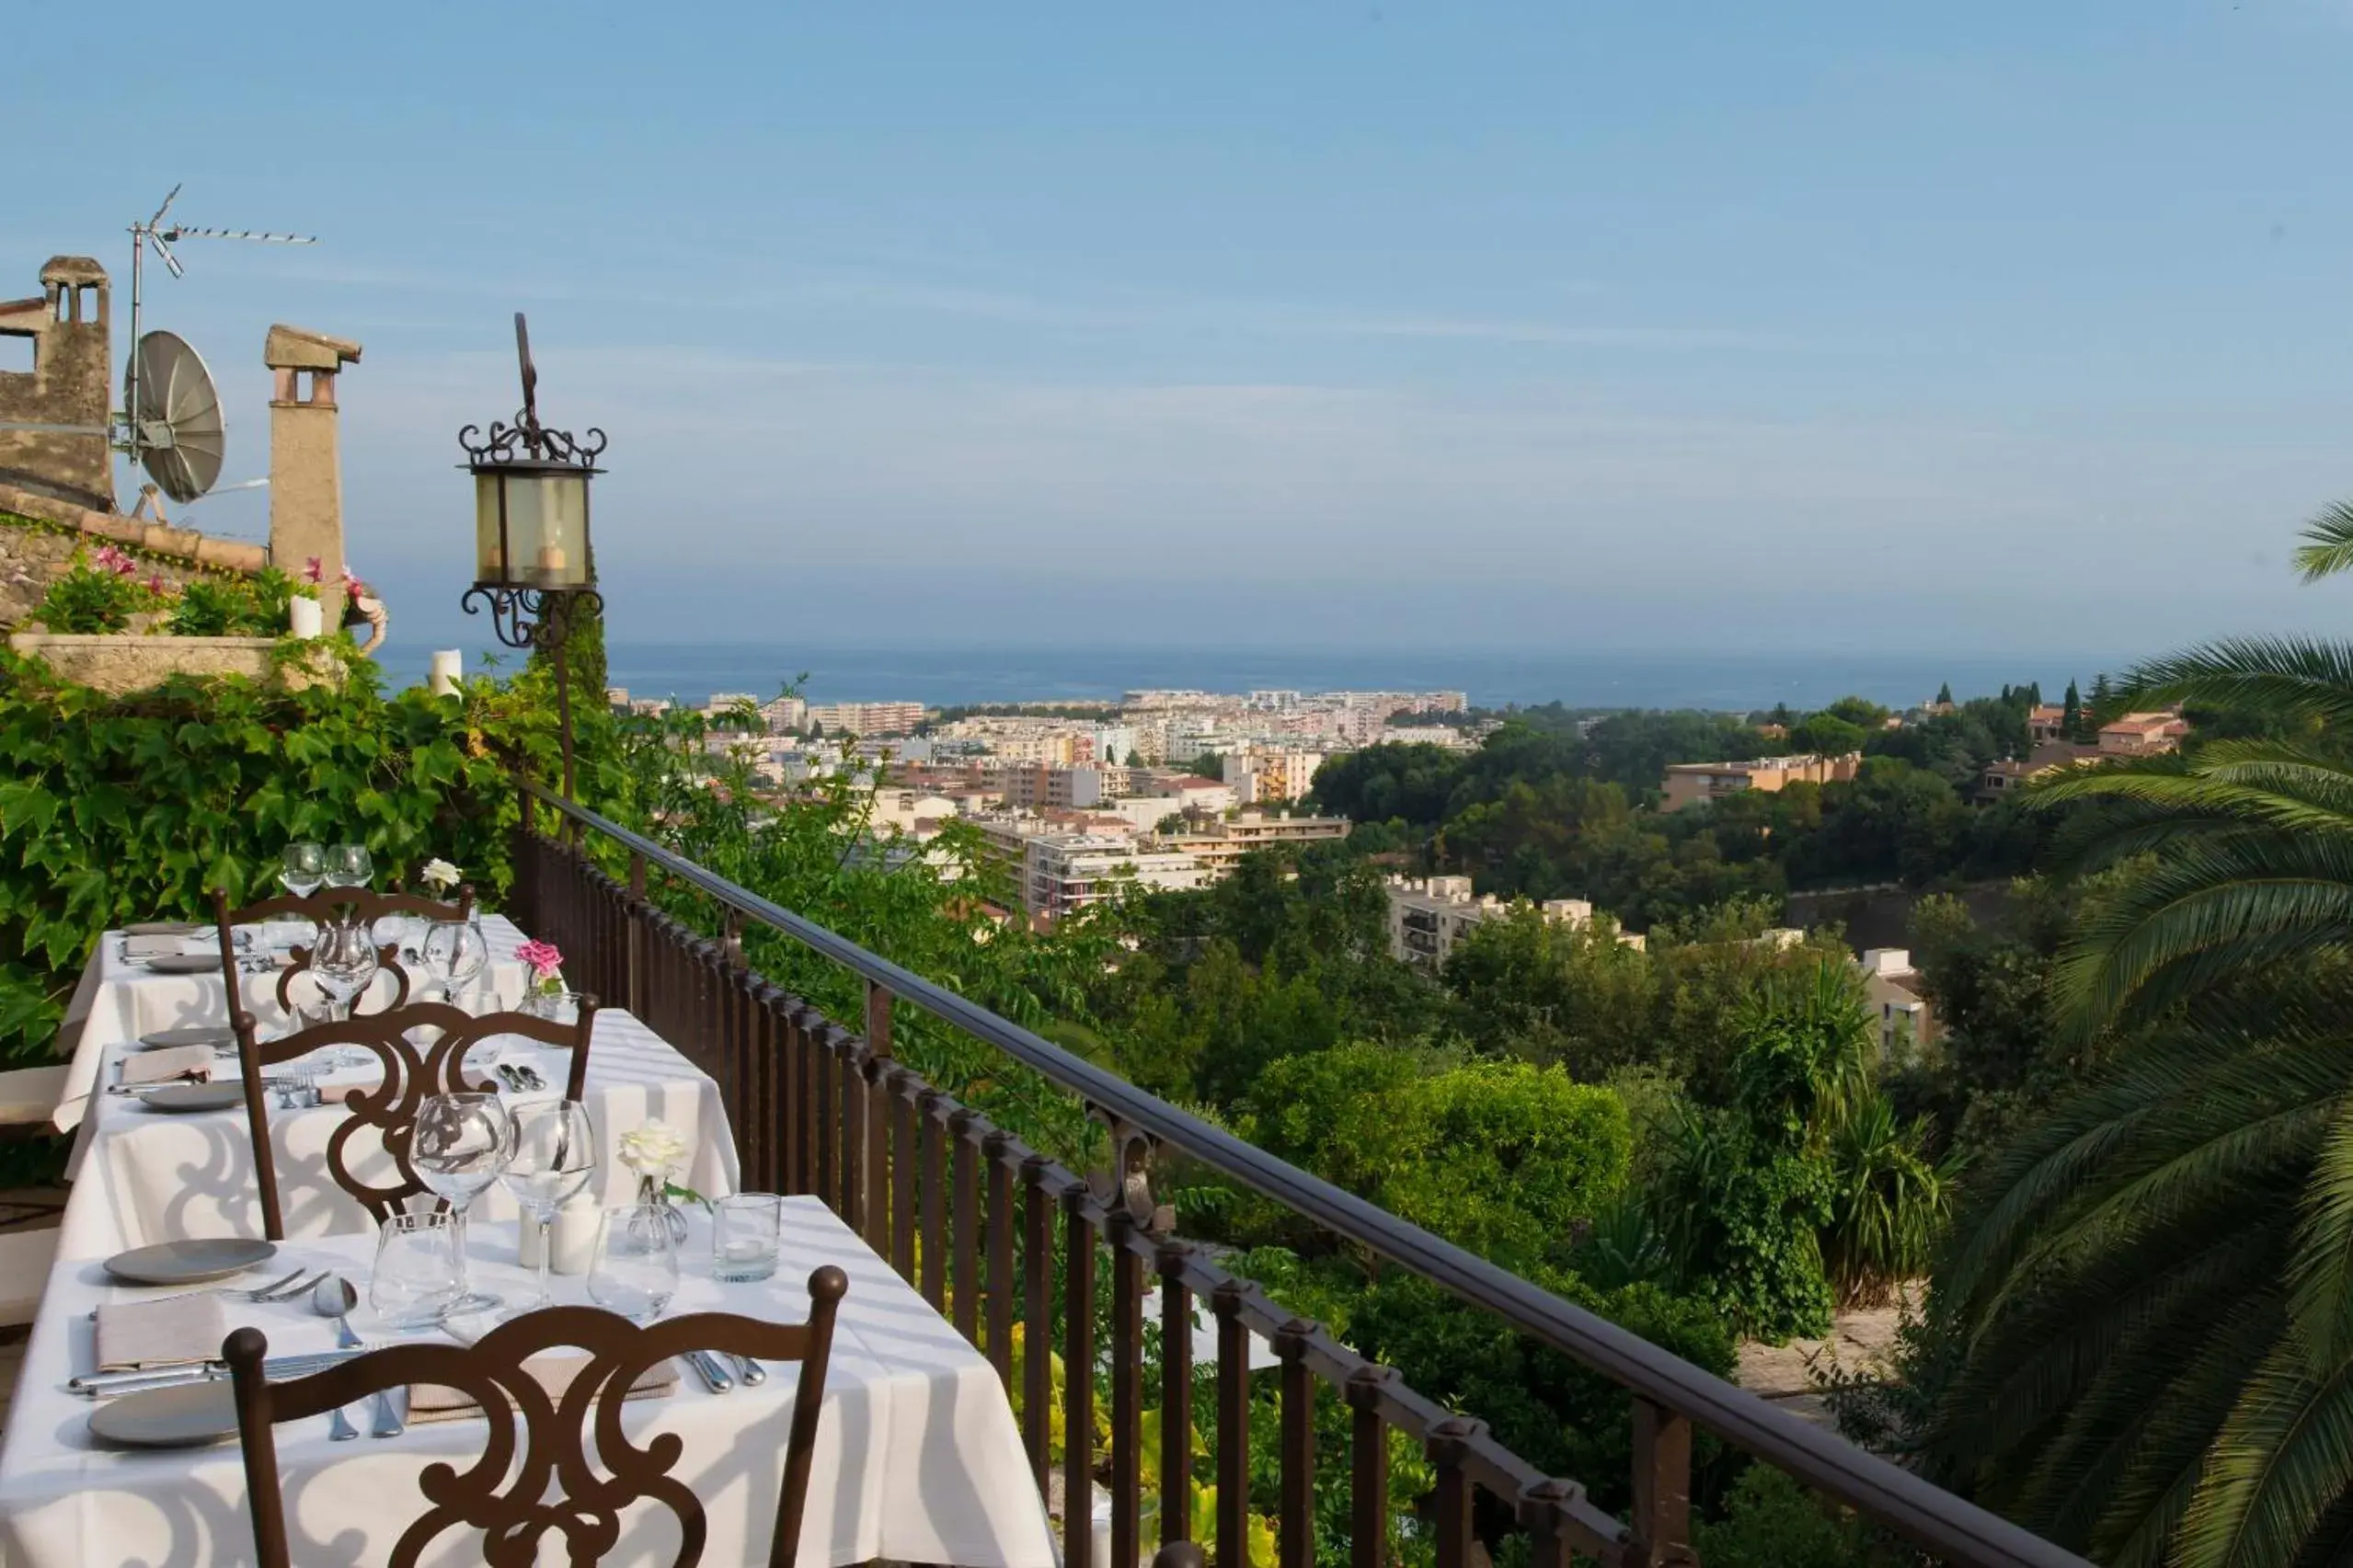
(554, 1154)
(635, 1272)
(458, 1145)
(301, 868)
(344, 962)
(349, 866)
(454, 953)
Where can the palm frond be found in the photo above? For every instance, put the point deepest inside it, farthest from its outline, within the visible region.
(2304, 677)
(2329, 543)
(2280, 1464)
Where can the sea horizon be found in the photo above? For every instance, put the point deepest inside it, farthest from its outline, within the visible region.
(691, 672)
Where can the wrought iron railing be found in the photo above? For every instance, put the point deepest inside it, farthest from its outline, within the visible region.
(970, 1213)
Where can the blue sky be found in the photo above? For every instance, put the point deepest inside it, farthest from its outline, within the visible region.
(1563, 325)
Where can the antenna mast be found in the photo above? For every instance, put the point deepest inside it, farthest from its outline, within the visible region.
(159, 235)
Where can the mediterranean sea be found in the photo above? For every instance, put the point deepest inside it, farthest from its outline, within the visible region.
(1493, 678)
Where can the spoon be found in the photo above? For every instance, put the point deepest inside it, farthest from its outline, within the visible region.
(334, 1298)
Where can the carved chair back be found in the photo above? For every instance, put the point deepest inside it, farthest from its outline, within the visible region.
(412, 1072)
(574, 1437)
(358, 906)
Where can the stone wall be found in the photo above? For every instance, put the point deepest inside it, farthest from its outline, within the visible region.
(32, 558)
(119, 664)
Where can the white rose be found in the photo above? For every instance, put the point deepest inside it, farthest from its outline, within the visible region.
(654, 1150)
(440, 874)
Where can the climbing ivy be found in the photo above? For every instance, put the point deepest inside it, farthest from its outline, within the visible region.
(119, 808)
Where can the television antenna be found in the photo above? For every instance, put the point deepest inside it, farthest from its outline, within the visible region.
(151, 413)
(170, 421)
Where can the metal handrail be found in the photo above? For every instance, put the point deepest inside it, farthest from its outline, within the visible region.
(1948, 1525)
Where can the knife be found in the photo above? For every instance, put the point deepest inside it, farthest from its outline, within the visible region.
(103, 1385)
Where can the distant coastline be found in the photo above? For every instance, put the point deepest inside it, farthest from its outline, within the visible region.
(1493, 678)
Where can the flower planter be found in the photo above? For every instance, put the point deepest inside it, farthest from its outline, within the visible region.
(129, 663)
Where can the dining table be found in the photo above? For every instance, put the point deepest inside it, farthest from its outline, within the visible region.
(119, 998)
(917, 1458)
(918, 1455)
(149, 1175)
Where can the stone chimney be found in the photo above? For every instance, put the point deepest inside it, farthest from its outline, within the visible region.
(305, 469)
(66, 384)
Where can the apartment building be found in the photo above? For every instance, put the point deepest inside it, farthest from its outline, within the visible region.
(1064, 873)
(1427, 915)
(1257, 776)
(1694, 783)
(1033, 786)
(867, 718)
(1186, 792)
(783, 714)
(911, 812)
(1221, 843)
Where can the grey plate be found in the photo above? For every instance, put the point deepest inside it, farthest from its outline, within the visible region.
(213, 1035)
(185, 964)
(164, 928)
(193, 1097)
(190, 1262)
(188, 1416)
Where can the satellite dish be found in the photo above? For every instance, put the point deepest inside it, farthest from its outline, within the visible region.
(175, 407)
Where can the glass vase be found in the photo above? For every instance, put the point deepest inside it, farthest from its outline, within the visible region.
(654, 1207)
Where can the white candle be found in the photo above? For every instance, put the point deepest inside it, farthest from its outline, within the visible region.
(449, 669)
(303, 617)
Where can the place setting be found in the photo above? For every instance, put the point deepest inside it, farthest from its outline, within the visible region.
(158, 1378)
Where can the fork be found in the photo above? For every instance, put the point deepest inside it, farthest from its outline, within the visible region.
(284, 1289)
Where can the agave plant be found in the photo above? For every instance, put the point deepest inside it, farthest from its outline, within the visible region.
(2151, 1295)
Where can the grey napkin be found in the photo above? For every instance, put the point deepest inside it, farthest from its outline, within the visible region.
(176, 1331)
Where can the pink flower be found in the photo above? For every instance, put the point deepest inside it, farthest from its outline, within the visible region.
(358, 589)
(543, 957)
(155, 583)
(110, 559)
(314, 570)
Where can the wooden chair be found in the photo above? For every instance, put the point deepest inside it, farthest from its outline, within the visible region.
(409, 1076)
(360, 905)
(555, 1440)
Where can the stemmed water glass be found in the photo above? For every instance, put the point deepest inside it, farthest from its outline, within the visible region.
(344, 961)
(349, 866)
(302, 868)
(458, 1145)
(454, 953)
(554, 1154)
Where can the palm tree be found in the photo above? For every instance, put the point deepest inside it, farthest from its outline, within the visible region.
(2148, 1302)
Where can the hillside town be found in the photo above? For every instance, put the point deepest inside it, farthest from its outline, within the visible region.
(1167, 789)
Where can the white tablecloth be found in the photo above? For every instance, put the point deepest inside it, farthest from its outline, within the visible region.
(918, 1459)
(118, 1000)
(151, 1176)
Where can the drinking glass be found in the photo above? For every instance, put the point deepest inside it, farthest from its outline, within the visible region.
(417, 1275)
(635, 1272)
(555, 1154)
(454, 953)
(344, 962)
(349, 866)
(458, 1145)
(301, 868)
(745, 1231)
